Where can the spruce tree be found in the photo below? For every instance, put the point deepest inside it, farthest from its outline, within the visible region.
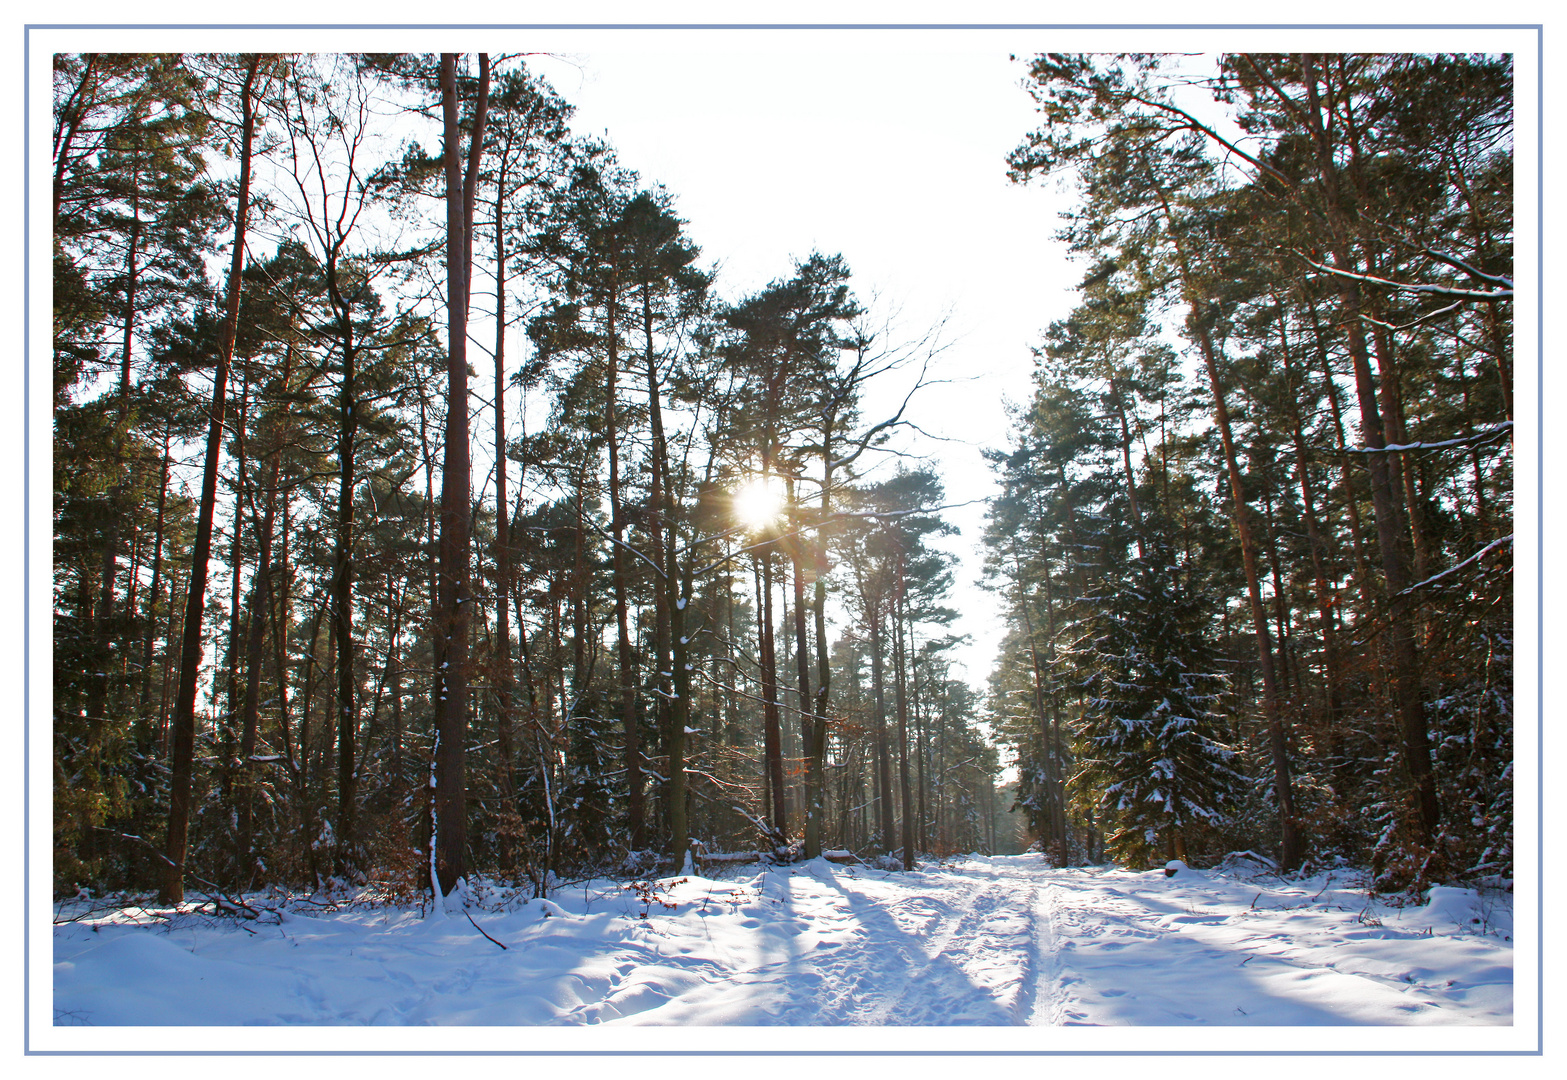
(1153, 725)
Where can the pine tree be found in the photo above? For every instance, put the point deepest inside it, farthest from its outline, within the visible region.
(1153, 724)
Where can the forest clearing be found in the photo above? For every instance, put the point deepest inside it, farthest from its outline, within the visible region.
(451, 557)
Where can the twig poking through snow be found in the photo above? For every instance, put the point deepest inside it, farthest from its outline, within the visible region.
(479, 928)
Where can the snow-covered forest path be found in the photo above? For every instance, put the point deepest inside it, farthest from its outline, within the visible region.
(1002, 941)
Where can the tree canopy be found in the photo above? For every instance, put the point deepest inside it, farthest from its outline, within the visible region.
(428, 506)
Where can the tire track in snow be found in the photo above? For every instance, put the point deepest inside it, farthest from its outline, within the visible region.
(935, 983)
(1042, 997)
(864, 980)
(996, 958)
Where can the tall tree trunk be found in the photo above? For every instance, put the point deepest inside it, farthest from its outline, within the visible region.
(1396, 431)
(183, 723)
(1053, 736)
(921, 744)
(344, 854)
(228, 756)
(1347, 485)
(103, 616)
(679, 705)
(1291, 842)
(448, 776)
(1050, 763)
(802, 656)
(1281, 608)
(1126, 458)
(155, 589)
(883, 763)
(579, 604)
(500, 666)
(260, 600)
(307, 701)
(282, 616)
(905, 802)
(672, 600)
(1333, 691)
(255, 640)
(816, 752)
(1404, 660)
(772, 728)
(625, 651)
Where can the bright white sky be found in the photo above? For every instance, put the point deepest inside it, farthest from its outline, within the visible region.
(896, 160)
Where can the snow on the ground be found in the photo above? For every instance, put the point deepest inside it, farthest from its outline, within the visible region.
(996, 942)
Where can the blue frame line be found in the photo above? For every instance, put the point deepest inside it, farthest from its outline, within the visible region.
(1539, 525)
(784, 26)
(27, 546)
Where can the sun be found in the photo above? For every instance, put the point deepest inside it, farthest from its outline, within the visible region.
(759, 502)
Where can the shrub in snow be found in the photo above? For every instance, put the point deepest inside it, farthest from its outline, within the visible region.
(568, 812)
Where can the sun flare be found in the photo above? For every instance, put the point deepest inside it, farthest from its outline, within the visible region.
(759, 502)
